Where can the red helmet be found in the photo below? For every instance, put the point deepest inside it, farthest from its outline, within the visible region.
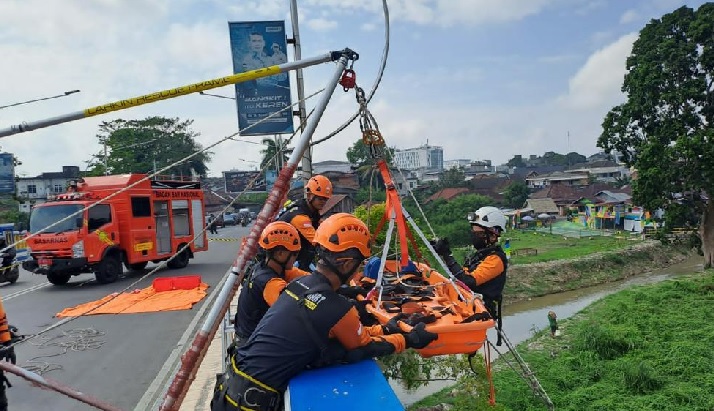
(280, 233)
(341, 232)
(320, 186)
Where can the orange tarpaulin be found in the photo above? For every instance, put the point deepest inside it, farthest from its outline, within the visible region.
(140, 301)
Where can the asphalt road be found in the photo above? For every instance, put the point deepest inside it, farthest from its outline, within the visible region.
(111, 357)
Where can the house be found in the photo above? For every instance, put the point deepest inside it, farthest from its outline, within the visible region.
(35, 190)
(541, 206)
(564, 196)
(535, 180)
(447, 194)
(491, 186)
(604, 171)
(331, 165)
(405, 180)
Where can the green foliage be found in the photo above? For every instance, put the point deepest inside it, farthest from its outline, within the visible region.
(641, 378)
(9, 213)
(448, 218)
(664, 127)
(364, 194)
(605, 340)
(372, 216)
(515, 194)
(134, 146)
(516, 161)
(453, 177)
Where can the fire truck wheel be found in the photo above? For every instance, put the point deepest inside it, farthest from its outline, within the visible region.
(109, 269)
(58, 278)
(181, 259)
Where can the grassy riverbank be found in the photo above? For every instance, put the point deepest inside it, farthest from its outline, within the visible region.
(640, 349)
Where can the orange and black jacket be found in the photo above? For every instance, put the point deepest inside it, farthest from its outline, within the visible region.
(486, 272)
(258, 293)
(4, 327)
(305, 221)
(296, 331)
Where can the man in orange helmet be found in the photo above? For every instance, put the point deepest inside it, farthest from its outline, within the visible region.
(280, 242)
(307, 321)
(305, 216)
(7, 353)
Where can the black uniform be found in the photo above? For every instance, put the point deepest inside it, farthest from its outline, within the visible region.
(251, 302)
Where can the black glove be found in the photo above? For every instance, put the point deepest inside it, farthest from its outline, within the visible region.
(441, 246)
(7, 353)
(392, 327)
(352, 291)
(419, 337)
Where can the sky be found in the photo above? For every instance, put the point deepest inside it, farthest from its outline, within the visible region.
(484, 79)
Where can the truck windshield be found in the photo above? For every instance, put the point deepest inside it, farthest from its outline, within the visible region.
(42, 217)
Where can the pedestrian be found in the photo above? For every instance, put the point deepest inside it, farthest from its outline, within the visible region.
(553, 322)
(212, 224)
(310, 325)
(280, 243)
(7, 353)
(484, 271)
(305, 216)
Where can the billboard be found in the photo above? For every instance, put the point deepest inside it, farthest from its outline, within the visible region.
(257, 44)
(237, 181)
(7, 173)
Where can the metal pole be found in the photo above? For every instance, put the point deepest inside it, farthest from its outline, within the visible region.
(307, 157)
(171, 93)
(106, 167)
(191, 359)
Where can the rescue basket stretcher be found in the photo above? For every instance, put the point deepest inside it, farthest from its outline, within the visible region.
(429, 297)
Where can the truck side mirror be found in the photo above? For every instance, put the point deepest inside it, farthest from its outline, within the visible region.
(78, 222)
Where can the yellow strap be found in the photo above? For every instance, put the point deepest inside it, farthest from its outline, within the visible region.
(251, 379)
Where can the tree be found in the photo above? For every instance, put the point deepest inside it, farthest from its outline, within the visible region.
(515, 194)
(516, 161)
(270, 157)
(575, 158)
(453, 177)
(141, 146)
(360, 157)
(664, 128)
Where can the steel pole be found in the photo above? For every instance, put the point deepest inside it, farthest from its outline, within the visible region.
(307, 157)
(171, 93)
(193, 356)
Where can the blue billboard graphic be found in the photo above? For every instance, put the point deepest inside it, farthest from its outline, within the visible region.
(270, 177)
(257, 44)
(238, 181)
(7, 173)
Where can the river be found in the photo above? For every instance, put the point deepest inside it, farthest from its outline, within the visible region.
(523, 318)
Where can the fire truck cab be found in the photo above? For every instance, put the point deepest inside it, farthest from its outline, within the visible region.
(149, 221)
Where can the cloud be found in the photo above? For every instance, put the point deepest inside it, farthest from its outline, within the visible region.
(598, 81)
(629, 16)
(322, 25)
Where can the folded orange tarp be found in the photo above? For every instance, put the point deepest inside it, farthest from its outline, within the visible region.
(140, 301)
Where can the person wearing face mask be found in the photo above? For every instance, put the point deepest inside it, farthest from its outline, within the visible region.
(484, 271)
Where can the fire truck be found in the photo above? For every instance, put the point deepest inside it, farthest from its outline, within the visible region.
(149, 221)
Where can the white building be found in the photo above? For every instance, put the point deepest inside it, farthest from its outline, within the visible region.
(34, 190)
(424, 157)
(458, 163)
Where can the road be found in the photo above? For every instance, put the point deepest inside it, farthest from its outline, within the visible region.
(111, 357)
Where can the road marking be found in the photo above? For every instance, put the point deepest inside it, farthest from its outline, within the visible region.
(158, 388)
(25, 291)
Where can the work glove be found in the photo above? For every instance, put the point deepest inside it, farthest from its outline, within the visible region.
(419, 337)
(352, 291)
(441, 246)
(392, 327)
(7, 353)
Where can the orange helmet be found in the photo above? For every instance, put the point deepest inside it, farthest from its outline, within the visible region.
(280, 233)
(341, 232)
(319, 186)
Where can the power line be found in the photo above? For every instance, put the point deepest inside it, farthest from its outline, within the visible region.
(65, 94)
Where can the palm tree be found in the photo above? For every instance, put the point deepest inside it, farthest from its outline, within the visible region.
(270, 158)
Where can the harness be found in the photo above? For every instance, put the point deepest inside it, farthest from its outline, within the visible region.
(493, 292)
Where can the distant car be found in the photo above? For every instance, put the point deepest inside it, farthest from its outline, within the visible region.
(230, 219)
(219, 220)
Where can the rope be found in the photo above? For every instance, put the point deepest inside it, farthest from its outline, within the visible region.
(163, 263)
(378, 80)
(75, 340)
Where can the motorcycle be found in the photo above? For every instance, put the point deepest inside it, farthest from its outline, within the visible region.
(9, 273)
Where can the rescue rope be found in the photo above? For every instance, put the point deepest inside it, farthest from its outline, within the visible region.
(378, 80)
(79, 339)
(163, 263)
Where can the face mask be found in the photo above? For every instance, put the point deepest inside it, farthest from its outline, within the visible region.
(479, 240)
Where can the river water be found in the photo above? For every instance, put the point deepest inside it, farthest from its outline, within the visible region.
(523, 318)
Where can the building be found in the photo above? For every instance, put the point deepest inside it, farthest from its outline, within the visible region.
(331, 165)
(536, 181)
(458, 163)
(424, 157)
(35, 190)
(604, 171)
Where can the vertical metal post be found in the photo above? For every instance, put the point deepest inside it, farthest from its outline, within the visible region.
(307, 157)
(191, 358)
(106, 167)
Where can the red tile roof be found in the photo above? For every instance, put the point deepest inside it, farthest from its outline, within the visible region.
(447, 193)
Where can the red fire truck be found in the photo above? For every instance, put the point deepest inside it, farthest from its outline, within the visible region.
(150, 221)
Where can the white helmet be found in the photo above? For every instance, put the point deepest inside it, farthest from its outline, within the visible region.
(490, 217)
